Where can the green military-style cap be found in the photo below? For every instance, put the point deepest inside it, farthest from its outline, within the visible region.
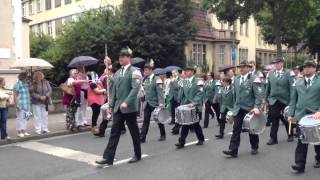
(278, 59)
(309, 63)
(244, 64)
(226, 68)
(149, 64)
(126, 52)
(190, 68)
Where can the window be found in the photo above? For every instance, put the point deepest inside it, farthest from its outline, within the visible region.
(221, 54)
(58, 27)
(247, 28)
(24, 9)
(241, 29)
(31, 7)
(199, 54)
(67, 1)
(243, 54)
(48, 4)
(57, 3)
(39, 6)
(67, 19)
(49, 28)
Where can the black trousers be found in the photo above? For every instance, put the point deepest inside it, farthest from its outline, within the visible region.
(236, 133)
(185, 130)
(302, 151)
(208, 111)
(95, 114)
(275, 116)
(174, 105)
(146, 123)
(223, 122)
(118, 121)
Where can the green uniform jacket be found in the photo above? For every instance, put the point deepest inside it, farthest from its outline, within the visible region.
(174, 89)
(227, 99)
(190, 93)
(279, 89)
(125, 90)
(305, 100)
(209, 89)
(153, 90)
(248, 95)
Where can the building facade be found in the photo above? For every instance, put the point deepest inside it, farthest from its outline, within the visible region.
(14, 39)
(216, 44)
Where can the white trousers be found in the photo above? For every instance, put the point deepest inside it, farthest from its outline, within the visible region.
(81, 111)
(21, 123)
(40, 117)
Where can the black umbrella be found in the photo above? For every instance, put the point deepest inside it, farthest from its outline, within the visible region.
(82, 60)
(137, 60)
(158, 71)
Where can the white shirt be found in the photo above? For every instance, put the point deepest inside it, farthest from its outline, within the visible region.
(125, 68)
(311, 78)
(243, 78)
(190, 79)
(151, 76)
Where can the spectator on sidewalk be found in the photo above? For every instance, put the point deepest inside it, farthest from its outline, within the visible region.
(81, 113)
(72, 101)
(22, 103)
(4, 100)
(95, 99)
(40, 99)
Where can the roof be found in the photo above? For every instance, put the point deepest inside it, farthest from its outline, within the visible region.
(204, 30)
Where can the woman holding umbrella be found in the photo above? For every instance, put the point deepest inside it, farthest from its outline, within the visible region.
(82, 111)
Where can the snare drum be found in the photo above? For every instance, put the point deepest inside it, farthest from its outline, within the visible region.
(255, 123)
(309, 130)
(161, 115)
(105, 112)
(186, 115)
(229, 117)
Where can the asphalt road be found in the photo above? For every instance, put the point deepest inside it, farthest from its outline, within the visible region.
(72, 157)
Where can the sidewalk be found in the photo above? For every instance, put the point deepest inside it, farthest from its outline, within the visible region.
(56, 125)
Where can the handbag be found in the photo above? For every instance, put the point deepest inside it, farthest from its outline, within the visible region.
(67, 89)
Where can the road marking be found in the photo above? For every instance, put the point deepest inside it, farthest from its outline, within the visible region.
(194, 142)
(122, 161)
(61, 152)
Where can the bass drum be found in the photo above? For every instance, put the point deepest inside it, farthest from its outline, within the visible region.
(255, 123)
(309, 130)
(161, 115)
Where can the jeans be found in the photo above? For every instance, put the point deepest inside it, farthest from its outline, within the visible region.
(3, 122)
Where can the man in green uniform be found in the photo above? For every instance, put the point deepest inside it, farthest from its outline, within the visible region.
(278, 92)
(305, 100)
(249, 96)
(154, 97)
(124, 105)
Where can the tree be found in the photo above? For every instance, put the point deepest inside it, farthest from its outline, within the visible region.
(158, 29)
(277, 18)
(39, 43)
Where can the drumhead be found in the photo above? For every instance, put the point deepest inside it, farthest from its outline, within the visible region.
(309, 121)
(185, 108)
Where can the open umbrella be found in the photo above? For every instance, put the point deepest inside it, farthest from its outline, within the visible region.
(171, 68)
(82, 60)
(137, 60)
(31, 64)
(158, 71)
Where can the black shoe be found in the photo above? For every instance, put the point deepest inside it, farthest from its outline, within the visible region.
(134, 159)
(316, 164)
(123, 131)
(254, 151)
(199, 143)
(230, 153)
(179, 145)
(98, 135)
(162, 138)
(174, 132)
(220, 136)
(298, 168)
(290, 139)
(104, 162)
(272, 142)
(244, 130)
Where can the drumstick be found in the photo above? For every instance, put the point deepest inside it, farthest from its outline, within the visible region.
(290, 123)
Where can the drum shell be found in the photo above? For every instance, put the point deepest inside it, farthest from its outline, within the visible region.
(186, 115)
(309, 133)
(161, 115)
(255, 124)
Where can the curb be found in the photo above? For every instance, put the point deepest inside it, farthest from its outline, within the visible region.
(51, 134)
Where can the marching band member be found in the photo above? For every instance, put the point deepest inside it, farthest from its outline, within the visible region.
(278, 92)
(154, 97)
(249, 96)
(191, 95)
(176, 84)
(124, 105)
(305, 100)
(210, 89)
(227, 101)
